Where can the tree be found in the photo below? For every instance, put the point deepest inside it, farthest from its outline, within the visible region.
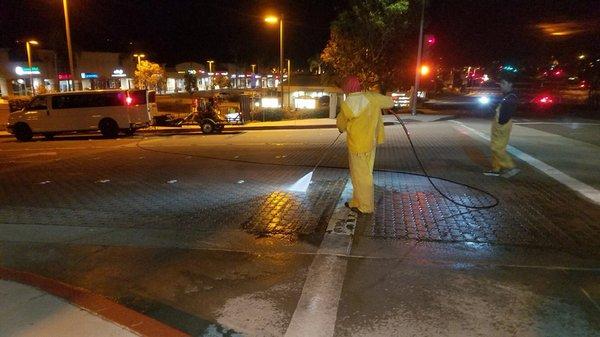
(222, 81)
(315, 64)
(148, 75)
(369, 41)
(191, 82)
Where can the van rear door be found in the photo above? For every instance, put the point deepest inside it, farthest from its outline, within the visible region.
(138, 107)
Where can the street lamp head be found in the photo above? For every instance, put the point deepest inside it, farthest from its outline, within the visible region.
(33, 42)
(271, 19)
(139, 55)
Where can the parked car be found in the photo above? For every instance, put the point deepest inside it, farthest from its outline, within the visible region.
(110, 111)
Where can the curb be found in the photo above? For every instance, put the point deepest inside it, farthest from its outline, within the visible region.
(241, 128)
(95, 304)
(230, 128)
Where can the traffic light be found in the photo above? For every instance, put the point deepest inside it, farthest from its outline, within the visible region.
(428, 45)
(430, 40)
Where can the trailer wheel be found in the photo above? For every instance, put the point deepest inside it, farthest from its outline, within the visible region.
(207, 127)
(129, 132)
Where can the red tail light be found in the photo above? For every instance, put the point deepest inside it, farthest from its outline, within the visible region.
(544, 100)
(128, 100)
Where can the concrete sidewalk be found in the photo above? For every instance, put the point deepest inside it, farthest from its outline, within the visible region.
(35, 306)
(313, 123)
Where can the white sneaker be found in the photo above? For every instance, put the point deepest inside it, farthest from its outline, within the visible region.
(511, 172)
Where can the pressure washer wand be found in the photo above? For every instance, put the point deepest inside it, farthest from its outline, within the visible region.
(302, 184)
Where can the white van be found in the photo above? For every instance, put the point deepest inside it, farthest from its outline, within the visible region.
(110, 111)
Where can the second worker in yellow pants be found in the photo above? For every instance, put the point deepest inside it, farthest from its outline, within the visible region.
(502, 163)
(361, 118)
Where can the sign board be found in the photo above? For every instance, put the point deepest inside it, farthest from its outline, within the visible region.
(64, 77)
(89, 75)
(27, 71)
(119, 73)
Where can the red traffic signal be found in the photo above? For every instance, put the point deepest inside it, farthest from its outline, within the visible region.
(430, 39)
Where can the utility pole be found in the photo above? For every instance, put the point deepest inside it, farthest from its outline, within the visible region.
(69, 48)
(418, 70)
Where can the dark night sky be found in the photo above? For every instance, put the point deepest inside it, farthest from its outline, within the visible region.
(468, 31)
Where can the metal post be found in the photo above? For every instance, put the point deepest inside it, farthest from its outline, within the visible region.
(289, 71)
(418, 70)
(30, 70)
(69, 47)
(281, 58)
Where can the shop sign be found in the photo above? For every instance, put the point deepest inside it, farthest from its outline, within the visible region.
(27, 71)
(89, 75)
(119, 73)
(64, 77)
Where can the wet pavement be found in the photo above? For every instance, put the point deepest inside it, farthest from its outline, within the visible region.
(201, 232)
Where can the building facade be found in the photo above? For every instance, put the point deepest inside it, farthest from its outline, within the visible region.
(92, 70)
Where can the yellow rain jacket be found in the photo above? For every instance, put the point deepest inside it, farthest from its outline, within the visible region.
(360, 117)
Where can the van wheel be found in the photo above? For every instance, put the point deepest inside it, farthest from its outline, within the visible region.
(49, 136)
(109, 128)
(207, 127)
(23, 132)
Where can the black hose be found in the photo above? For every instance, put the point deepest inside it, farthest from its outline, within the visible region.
(425, 174)
(329, 147)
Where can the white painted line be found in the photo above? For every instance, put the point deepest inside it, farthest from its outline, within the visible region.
(316, 312)
(580, 187)
(172, 181)
(590, 298)
(572, 124)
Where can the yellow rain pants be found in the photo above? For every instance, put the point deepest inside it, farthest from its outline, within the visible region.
(361, 173)
(501, 160)
(360, 117)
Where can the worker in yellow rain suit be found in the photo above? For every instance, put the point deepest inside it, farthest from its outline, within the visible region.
(502, 163)
(360, 117)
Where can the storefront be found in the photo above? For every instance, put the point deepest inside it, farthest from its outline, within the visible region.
(26, 80)
(121, 79)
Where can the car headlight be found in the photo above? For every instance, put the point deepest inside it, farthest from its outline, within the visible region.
(484, 100)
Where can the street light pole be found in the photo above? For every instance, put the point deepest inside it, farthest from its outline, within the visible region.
(418, 70)
(289, 73)
(210, 76)
(253, 67)
(69, 48)
(273, 20)
(27, 46)
(281, 58)
(139, 57)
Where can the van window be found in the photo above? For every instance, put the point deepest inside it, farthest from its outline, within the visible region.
(138, 96)
(38, 103)
(88, 100)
